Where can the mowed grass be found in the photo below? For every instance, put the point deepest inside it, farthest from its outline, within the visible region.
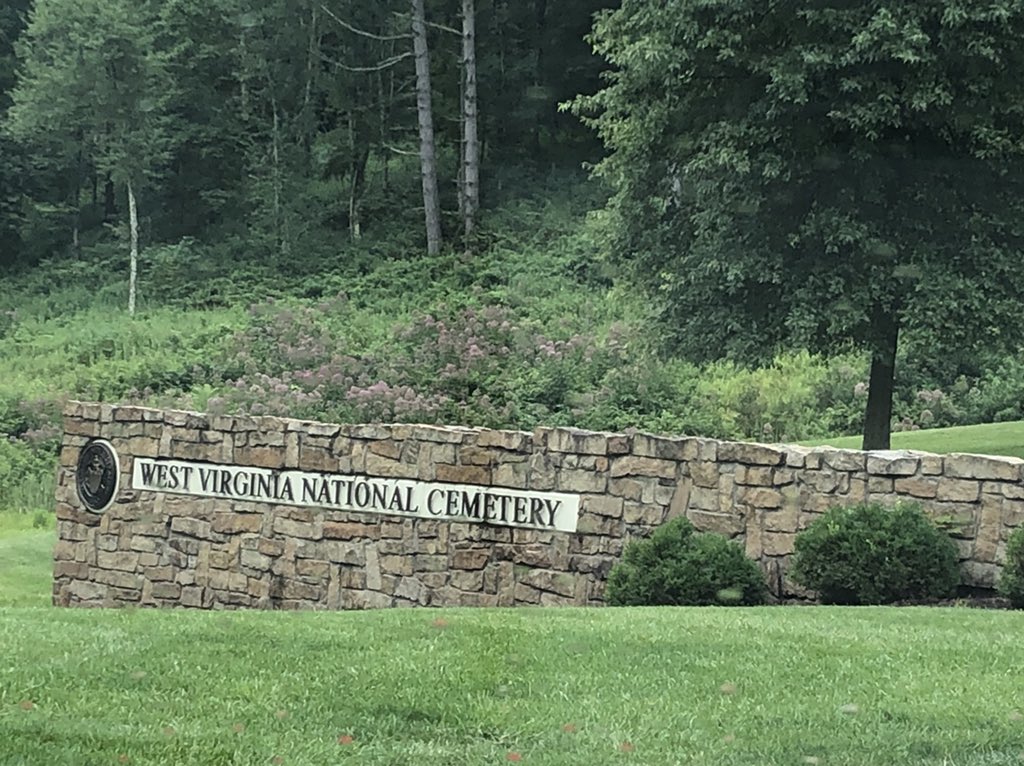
(989, 439)
(782, 685)
(26, 555)
(558, 686)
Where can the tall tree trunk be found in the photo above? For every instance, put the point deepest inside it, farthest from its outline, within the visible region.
(470, 135)
(109, 202)
(133, 223)
(279, 227)
(425, 113)
(878, 418)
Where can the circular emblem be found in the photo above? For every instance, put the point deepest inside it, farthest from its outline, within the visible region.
(98, 475)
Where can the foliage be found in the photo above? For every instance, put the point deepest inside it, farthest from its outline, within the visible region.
(677, 567)
(1011, 579)
(871, 554)
(26, 475)
(820, 177)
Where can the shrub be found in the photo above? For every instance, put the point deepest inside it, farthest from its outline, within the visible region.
(871, 554)
(678, 567)
(1011, 581)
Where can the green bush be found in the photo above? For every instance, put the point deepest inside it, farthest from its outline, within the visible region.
(871, 554)
(677, 567)
(1011, 581)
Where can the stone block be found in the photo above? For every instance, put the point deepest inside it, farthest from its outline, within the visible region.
(305, 530)
(255, 560)
(704, 474)
(121, 560)
(195, 528)
(396, 565)
(750, 454)
(662, 448)
(755, 476)
(892, 463)
(953, 491)
(160, 573)
(470, 559)
(516, 441)
(980, 575)
(603, 505)
(642, 466)
(515, 475)
(340, 552)
(270, 547)
(70, 569)
(620, 445)
(86, 591)
(311, 569)
(524, 594)
(778, 544)
(377, 465)
(430, 563)
(561, 583)
(630, 489)
(761, 497)
(589, 524)
(728, 524)
(168, 591)
(569, 480)
(637, 513)
(350, 530)
(785, 519)
(464, 474)
(844, 459)
(467, 580)
(982, 467)
(191, 596)
(235, 523)
(577, 442)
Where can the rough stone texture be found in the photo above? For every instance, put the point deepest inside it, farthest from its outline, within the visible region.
(152, 549)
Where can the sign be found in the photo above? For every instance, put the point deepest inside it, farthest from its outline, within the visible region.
(97, 475)
(364, 494)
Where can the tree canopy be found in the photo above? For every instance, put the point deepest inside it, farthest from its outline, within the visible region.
(818, 174)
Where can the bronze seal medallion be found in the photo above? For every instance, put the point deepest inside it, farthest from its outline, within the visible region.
(98, 475)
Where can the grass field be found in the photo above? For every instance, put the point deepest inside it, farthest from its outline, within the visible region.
(990, 439)
(25, 556)
(559, 686)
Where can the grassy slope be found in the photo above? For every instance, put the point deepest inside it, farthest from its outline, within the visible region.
(468, 687)
(25, 556)
(991, 439)
(710, 686)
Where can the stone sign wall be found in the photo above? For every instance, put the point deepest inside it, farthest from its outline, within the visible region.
(225, 512)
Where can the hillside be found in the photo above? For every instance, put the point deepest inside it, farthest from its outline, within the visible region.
(532, 330)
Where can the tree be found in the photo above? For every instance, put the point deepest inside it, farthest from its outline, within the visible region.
(425, 112)
(11, 163)
(92, 78)
(470, 134)
(824, 176)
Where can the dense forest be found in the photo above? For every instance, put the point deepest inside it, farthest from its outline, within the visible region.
(740, 220)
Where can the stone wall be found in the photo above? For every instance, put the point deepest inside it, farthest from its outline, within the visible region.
(159, 549)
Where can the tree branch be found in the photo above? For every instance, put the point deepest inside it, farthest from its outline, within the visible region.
(433, 24)
(350, 28)
(376, 68)
(401, 151)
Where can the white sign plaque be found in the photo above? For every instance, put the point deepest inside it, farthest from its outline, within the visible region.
(364, 494)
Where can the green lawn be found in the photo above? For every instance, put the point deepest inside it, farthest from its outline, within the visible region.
(659, 686)
(25, 561)
(560, 686)
(990, 439)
